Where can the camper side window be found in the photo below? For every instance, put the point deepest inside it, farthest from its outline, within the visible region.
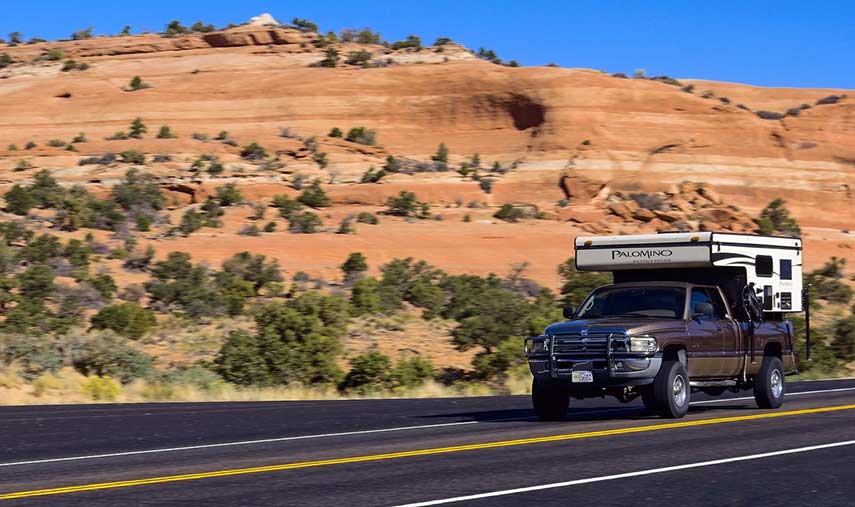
(786, 269)
(763, 265)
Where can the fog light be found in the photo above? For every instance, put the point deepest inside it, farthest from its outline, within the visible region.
(619, 365)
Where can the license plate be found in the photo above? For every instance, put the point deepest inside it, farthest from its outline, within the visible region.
(582, 376)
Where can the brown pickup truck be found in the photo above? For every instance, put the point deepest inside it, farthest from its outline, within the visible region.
(659, 341)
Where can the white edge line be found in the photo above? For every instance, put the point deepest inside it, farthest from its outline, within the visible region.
(799, 393)
(359, 432)
(229, 444)
(626, 475)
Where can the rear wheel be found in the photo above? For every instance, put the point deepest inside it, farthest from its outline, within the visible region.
(769, 385)
(550, 402)
(671, 390)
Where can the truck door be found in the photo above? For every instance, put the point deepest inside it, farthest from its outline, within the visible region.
(732, 354)
(707, 338)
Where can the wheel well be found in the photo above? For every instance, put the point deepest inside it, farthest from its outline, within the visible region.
(773, 349)
(675, 353)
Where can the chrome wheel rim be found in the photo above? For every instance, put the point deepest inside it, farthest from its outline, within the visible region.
(777, 384)
(678, 390)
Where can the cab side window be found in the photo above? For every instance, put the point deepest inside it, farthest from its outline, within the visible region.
(699, 296)
(718, 304)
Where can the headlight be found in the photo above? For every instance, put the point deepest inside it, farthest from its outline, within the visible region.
(536, 345)
(643, 344)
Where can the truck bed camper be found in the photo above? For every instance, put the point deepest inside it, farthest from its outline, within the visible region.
(687, 312)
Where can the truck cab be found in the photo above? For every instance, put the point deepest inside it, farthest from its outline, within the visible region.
(660, 332)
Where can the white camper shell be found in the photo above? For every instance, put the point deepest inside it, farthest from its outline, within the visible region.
(772, 264)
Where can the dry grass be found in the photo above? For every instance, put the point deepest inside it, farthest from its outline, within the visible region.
(69, 387)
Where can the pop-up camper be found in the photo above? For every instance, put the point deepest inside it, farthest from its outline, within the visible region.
(702, 311)
(772, 264)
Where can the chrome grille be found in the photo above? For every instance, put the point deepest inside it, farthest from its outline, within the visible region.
(576, 345)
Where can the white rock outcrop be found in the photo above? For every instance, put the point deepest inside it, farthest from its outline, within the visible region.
(263, 20)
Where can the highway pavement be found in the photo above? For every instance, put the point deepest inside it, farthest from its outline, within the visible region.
(484, 451)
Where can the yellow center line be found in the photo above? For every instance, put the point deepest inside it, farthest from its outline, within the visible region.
(418, 452)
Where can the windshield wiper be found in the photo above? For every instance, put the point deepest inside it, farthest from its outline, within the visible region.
(635, 314)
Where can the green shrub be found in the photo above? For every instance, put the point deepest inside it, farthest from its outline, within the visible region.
(775, 218)
(367, 218)
(191, 221)
(510, 213)
(362, 135)
(293, 343)
(5, 60)
(578, 284)
(441, 154)
(304, 25)
(365, 297)
(229, 195)
(126, 319)
(407, 205)
(269, 227)
(368, 372)
(202, 27)
(56, 143)
(19, 200)
(304, 223)
(175, 28)
(30, 145)
(106, 354)
(372, 177)
(79, 138)
(132, 157)
(33, 355)
(254, 268)
(253, 151)
(412, 372)
(82, 34)
(411, 42)
(105, 285)
(331, 58)
(137, 128)
(138, 191)
(314, 196)
(826, 282)
(286, 205)
(165, 132)
(54, 55)
(354, 267)
(23, 165)
(360, 57)
(335, 132)
(137, 84)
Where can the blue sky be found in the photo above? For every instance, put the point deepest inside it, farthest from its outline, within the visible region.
(783, 43)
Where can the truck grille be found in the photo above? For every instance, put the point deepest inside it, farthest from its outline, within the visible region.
(576, 345)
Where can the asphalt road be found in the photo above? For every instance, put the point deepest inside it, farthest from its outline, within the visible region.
(463, 451)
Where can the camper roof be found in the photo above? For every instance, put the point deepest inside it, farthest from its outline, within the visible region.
(772, 264)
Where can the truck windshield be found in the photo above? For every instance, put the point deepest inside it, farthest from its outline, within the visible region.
(653, 302)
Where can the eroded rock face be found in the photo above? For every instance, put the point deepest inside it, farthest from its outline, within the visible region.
(255, 36)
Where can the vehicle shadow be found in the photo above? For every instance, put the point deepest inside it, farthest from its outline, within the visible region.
(633, 412)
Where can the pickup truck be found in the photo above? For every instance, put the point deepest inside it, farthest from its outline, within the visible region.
(659, 341)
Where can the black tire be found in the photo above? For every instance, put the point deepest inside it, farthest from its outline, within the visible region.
(550, 403)
(649, 400)
(769, 384)
(671, 403)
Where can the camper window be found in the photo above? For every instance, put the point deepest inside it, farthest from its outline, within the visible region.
(786, 269)
(763, 266)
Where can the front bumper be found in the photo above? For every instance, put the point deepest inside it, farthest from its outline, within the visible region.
(609, 368)
(624, 371)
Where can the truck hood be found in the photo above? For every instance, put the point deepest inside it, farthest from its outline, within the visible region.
(617, 324)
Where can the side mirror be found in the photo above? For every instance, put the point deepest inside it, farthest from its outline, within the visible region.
(569, 312)
(703, 310)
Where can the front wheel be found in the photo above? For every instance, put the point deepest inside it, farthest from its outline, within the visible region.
(671, 390)
(550, 403)
(769, 385)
